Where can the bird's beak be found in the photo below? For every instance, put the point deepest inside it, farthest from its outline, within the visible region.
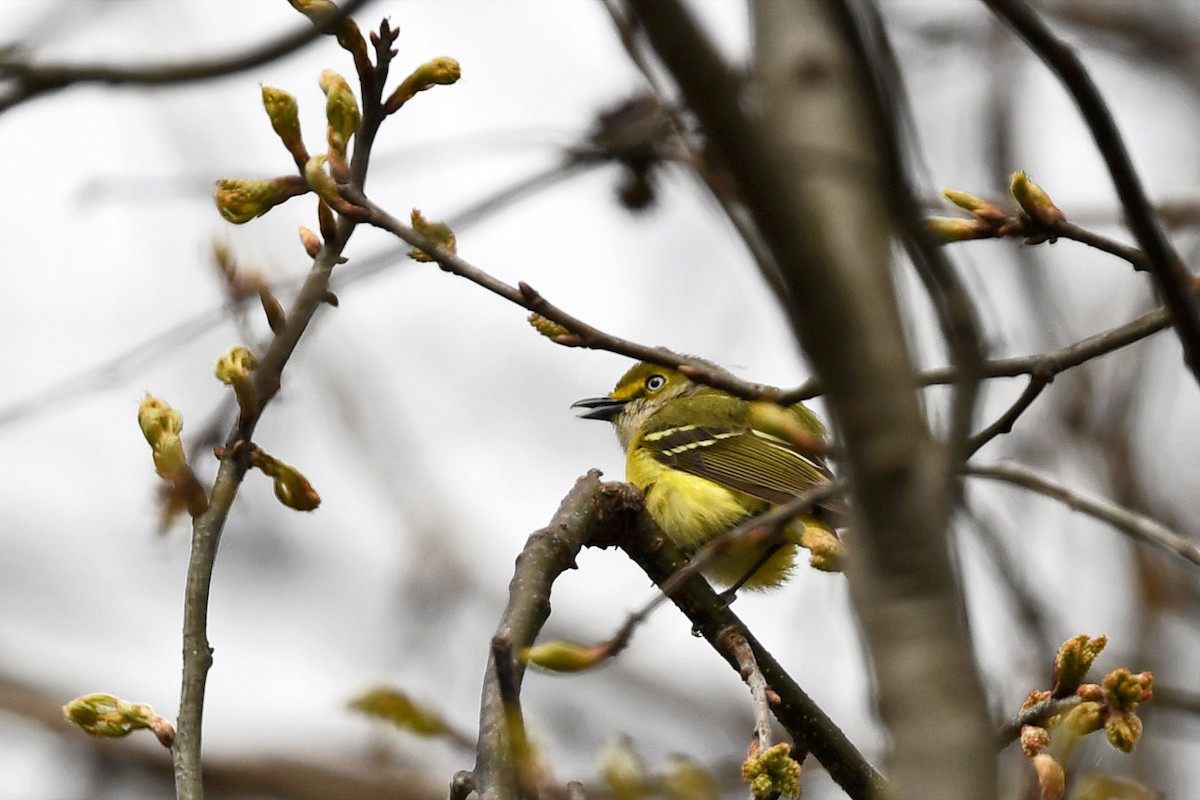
(604, 408)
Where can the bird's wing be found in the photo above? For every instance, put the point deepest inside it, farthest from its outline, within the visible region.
(750, 461)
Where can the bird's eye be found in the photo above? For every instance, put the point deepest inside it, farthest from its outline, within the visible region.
(655, 382)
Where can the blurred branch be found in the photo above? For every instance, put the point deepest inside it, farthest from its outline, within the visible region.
(1004, 423)
(717, 181)
(805, 148)
(1172, 277)
(1138, 526)
(266, 776)
(955, 310)
(588, 507)
(601, 146)
(1051, 362)
(24, 80)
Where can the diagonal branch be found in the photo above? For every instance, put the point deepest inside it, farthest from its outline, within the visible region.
(1173, 279)
(1138, 526)
(32, 80)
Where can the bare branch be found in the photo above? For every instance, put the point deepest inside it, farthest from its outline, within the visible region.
(1010, 731)
(1004, 424)
(1138, 526)
(581, 333)
(590, 510)
(819, 194)
(32, 80)
(1170, 274)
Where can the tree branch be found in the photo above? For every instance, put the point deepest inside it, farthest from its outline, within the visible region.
(590, 510)
(1170, 274)
(1138, 526)
(710, 615)
(803, 148)
(32, 80)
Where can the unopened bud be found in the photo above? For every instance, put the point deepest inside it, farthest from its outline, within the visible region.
(311, 242)
(978, 206)
(773, 771)
(1085, 718)
(284, 114)
(956, 229)
(1051, 778)
(1034, 201)
(438, 231)
(341, 110)
(440, 71)
(396, 707)
(546, 327)
(1073, 661)
(240, 201)
(684, 779)
(562, 656)
(1034, 738)
(624, 771)
(1123, 730)
(106, 715)
(291, 487)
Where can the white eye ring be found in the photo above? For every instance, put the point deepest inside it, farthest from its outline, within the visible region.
(655, 382)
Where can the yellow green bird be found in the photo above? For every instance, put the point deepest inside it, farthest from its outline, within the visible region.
(707, 460)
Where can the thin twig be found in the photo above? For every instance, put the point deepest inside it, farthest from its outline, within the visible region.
(1010, 731)
(1138, 526)
(31, 80)
(1069, 230)
(208, 526)
(581, 333)
(718, 184)
(1172, 277)
(1051, 362)
(757, 684)
(1004, 423)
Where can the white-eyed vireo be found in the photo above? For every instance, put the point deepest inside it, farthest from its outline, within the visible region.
(707, 460)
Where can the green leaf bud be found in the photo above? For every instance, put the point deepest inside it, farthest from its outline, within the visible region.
(1073, 661)
(624, 771)
(341, 110)
(105, 715)
(945, 230)
(979, 207)
(284, 114)
(1123, 730)
(240, 201)
(1085, 718)
(684, 779)
(441, 71)
(396, 707)
(233, 369)
(438, 231)
(773, 771)
(1034, 201)
(291, 487)
(562, 656)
